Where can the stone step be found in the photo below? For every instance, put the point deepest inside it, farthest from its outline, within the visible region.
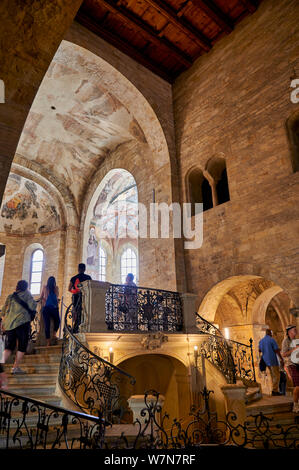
(36, 368)
(47, 399)
(270, 405)
(41, 358)
(33, 390)
(253, 394)
(47, 349)
(25, 379)
(284, 419)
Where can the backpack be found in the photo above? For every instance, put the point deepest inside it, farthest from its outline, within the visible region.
(21, 302)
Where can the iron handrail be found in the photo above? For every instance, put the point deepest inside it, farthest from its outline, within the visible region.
(77, 414)
(81, 345)
(89, 381)
(230, 344)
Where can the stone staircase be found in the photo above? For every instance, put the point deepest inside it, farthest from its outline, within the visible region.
(40, 380)
(283, 424)
(39, 383)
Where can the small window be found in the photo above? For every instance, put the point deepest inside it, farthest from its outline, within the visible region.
(128, 264)
(102, 264)
(37, 261)
(199, 190)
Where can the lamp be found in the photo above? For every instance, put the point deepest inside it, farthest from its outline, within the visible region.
(111, 355)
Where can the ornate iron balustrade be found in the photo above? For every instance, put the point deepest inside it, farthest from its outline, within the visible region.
(92, 383)
(130, 308)
(31, 424)
(203, 427)
(234, 359)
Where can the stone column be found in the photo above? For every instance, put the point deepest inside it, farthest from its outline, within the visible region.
(234, 395)
(93, 307)
(189, 310)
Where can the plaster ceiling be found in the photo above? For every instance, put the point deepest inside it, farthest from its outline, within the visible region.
(74, 121)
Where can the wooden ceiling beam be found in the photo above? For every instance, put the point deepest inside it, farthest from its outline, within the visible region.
(123, 46)
(172, 16)
(250, 5)
(132, 20)
(214, 12)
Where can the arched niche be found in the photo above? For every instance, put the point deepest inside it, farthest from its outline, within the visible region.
(162, 373)
(112, 222)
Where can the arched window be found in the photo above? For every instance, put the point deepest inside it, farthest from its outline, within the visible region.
(216, 167)
(102, 264)
(128, 264)
(199, 190)
(36, 270)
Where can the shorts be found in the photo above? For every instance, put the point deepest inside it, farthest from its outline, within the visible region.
(294, 372)
(20, 334)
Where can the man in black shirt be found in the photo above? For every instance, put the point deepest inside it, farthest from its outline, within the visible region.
(77, 296)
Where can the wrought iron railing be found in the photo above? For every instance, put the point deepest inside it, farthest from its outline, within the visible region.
(234, 359)
(26, 423)
(90, 382)
(130, 308)
(202, 427)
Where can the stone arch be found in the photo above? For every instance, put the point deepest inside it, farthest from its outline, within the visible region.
(50, 182)
(198, 188)
(163, 373)
(117, 179)
(212, 299)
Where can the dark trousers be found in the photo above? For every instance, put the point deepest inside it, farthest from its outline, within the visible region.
(77, 310)
(18, 335)
(48, 313)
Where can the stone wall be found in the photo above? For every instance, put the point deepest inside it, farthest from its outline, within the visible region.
(234, 103)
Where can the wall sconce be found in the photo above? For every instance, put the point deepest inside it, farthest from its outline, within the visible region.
(111, 355)
(195, 354)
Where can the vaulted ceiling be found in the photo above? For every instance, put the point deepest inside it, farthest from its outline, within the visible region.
(166, 36)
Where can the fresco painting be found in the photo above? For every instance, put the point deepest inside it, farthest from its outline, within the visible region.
(27, 208)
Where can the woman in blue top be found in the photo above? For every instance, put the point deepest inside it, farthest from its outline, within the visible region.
(49, 302)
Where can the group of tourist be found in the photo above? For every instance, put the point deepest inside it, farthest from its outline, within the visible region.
(20, 309)
(279, 362)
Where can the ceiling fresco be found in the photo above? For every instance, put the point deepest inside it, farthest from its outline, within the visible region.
(27, 208)
(74, 122)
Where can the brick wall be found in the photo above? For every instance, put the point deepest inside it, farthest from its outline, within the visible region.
(234, 102)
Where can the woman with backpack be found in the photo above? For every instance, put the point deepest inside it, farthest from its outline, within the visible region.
(49, 304)
(18, 311)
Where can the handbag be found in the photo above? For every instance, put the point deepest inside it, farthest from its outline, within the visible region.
(21, 302)
(262, 365)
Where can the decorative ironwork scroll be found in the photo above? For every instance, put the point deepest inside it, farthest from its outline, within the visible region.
(30, 424)
(234, 359)
(92, 383)
(203, 427)
(130, 308)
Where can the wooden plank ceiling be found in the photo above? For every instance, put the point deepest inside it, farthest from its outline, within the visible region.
(166, 36)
